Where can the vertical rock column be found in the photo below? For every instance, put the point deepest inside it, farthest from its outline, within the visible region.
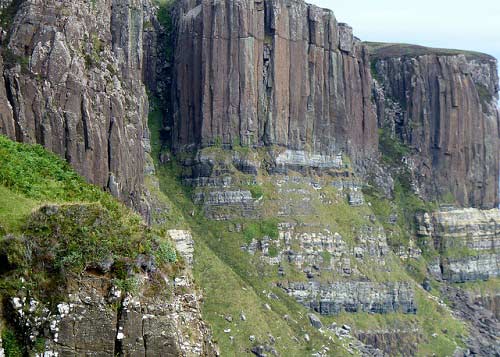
(277, 72)
(447, 113)
(72, 81)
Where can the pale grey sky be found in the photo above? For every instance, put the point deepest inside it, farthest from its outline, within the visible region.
(461, 24)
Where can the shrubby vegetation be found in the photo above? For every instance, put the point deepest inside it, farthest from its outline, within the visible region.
(258, 230)
(164, 16)
(81, 228)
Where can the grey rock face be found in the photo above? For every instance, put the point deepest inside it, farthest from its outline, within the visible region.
(443, 104)
(99, 319)
(483, 338)
(277, 72)
(226, 204)
(353, 296)
(468, 239)
(315, 321)
(184, 244)
(464, 269)
(72, 81)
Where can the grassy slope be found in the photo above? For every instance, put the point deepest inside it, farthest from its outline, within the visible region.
(233, 282)
(14, 208)
(88, 225)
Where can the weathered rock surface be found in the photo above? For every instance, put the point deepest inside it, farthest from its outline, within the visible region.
(273, 72)
(443, 104)
(468, 240)
(72, 81)
(99, 319)
(183, 243)
(354, 296)
(394, 342)
(484, 334)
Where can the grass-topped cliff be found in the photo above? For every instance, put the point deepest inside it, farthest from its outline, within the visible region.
(54, 227)
(380, 50)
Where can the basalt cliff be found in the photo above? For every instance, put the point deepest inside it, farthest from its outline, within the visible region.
(296, 191)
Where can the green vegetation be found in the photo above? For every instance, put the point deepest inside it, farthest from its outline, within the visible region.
(221, 266)
(405, 204)
(392, 149)
(14, 209)
(257, 230)
(76, 237)
(484, 96)
(490, 288)
(10, 59)
(164, 16)
(79, 229)
(93, 56)
(7, 15)
(36, 174)
(11, 345)
(256, 190)
(232, 282)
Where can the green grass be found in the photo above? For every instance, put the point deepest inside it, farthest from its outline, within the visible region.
(491, 287)
(75, 237)
(35, 173)
(14, 209)
(231, 281)
(257, 230)
(405, 203)
(55, 226)
(392, 149)
(59, 224)
(11, 345)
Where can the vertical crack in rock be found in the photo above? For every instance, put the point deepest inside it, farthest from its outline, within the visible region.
(118, 348)
(287, 101)
(71, 67)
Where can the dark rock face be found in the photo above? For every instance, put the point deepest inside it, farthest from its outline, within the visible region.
(393, 342)
(71, 81)
(443, 104)
(278, 72)
(484, 334)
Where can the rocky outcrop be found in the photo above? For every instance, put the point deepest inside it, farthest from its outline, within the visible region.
(443, 105)
(402, 342)
(354, 296)
(468, 241)
(484, 334)
(273, 72)
(72, 81)
(184, 244)
(97, 318)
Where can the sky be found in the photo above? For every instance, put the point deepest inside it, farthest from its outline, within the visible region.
(461, 24)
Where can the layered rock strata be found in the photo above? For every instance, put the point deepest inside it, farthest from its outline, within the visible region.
(354, 296)
(468, 240)
(303, 239)
(443, 105)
